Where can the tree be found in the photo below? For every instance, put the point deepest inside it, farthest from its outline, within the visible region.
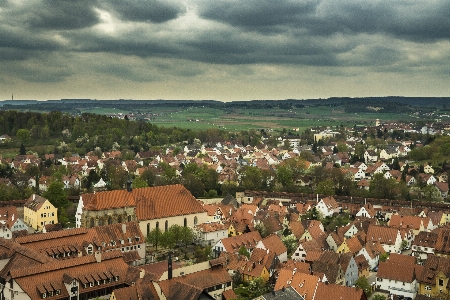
(244, 251)
(378, 297)
(404, 244)
(384, 256)
(432, 193)
(229, 187)
(312, 214)
(291, 243)
(363, 284)
(57, 195)
(149, 176)
(262, 229)
(138, 182)
(194, 185)
(326, 188)
(252, 289)
(177, 233)
(251, 178)
(187, 235)
(154, 237)
(23, 135)
(203, 254)
(167, 240)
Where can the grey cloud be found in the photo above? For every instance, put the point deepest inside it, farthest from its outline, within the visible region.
(255, 14)
(416, 20)
(145, 10)
(62, 15)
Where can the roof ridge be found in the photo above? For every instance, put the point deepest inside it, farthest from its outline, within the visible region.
(63, 264)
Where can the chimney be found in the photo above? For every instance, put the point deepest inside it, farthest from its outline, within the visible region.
(98, 256)
(169, 266)
(129, 182)
(124, 228)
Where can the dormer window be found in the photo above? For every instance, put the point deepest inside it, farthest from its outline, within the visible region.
(129, 240)
(137, 238)
(44, 295)
(58, 292)
(121, 241)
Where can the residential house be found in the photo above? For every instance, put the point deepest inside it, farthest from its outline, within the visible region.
(304, 248)
(10, 222)
(443, 188)
(434, 279)
(38, 212)
(366, 211)
(234, 243)
(80, 278)
(398, 275)
(388, 237)
(371, 252)
(349, 267)
(330, 291)
(208, 280)
(370, 156)
(423, 244)
(363, 266)
(209, 234)
(442, 246)
(274, 244)
(328, 206)
(303, 283)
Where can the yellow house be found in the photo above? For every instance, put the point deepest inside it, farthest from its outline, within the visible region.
(434, 278)
(445, 218)
(38, 212)
(253, 270)
(343, 248)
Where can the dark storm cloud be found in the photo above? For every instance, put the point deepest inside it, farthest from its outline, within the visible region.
(145, 10)
(259, 15)
(61, 15)
(413, 20)
(375, 35)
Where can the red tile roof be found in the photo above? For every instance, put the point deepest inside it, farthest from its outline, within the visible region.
(165, 201)
(338, 292)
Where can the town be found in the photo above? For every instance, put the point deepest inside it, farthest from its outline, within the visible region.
(334, 213)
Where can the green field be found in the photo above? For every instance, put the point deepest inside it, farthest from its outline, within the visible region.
(199, 118)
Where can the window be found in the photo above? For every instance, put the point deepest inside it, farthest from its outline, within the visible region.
(58, 292)
(157, 224)
(89, 250)
(119, 219)
(92, 223)
(148, 228)
(428, 288)
(44, 295)
(185, 222)
(109, 221)
(441, 282)
(129, 218)
(195, 220)
(91, 284)
(166, 225)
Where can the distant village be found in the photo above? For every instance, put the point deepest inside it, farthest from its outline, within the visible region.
(252, 244)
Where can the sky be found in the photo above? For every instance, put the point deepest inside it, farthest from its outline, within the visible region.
(223, 50)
